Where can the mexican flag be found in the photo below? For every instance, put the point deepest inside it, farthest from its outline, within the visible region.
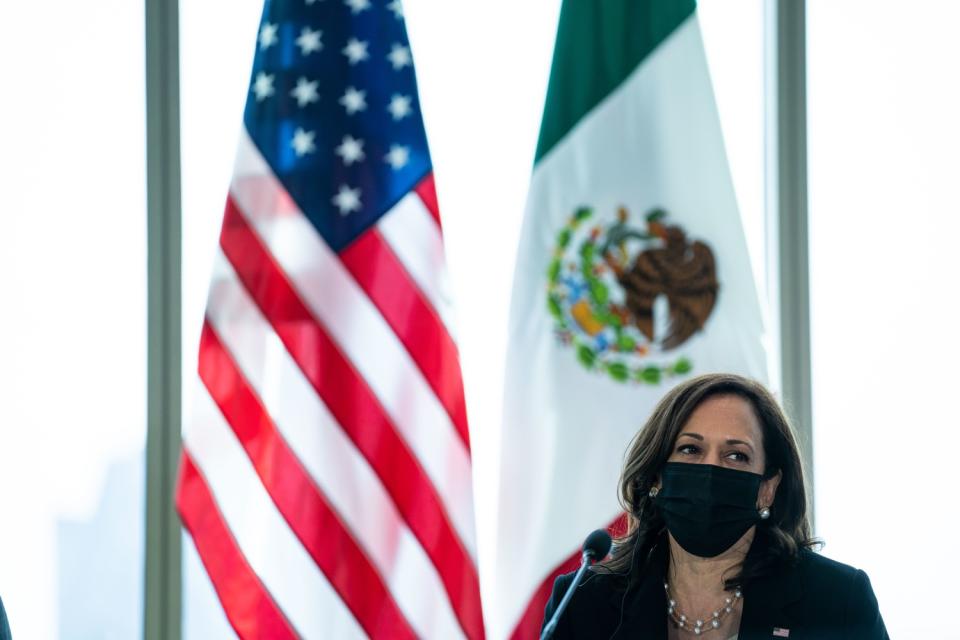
(632, 276)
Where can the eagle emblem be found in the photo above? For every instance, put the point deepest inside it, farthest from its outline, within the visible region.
(627, 298)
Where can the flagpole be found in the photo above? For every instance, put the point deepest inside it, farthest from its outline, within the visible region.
(161, 614)
(788, 230)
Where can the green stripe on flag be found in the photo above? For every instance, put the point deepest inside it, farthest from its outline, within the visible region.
(599, 42)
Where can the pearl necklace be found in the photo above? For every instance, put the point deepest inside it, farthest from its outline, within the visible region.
(699, 626)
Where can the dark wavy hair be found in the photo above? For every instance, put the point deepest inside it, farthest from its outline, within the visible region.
(778, 540)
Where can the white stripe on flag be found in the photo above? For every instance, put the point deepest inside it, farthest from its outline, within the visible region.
(340, 471)
(287, 571)
(415, 238)
(361, 332)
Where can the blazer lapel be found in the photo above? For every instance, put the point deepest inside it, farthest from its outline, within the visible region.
(766, 608)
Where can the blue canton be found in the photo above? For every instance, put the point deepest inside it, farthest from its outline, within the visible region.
(333, 108)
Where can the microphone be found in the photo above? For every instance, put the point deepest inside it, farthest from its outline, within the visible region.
(595, 548)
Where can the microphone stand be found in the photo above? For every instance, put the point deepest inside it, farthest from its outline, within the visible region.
(585, 563)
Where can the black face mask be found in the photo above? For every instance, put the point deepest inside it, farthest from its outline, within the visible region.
(707, 508)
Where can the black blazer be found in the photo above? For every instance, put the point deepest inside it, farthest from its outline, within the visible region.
(816, 599)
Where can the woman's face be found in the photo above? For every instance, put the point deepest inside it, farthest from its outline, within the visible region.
(724, 431)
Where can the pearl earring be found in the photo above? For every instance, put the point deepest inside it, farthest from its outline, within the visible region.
(765, 513)
(653, 492)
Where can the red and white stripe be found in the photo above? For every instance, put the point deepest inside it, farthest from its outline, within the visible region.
(326, 477)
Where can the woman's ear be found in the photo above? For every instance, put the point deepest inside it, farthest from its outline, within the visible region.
(768, 490)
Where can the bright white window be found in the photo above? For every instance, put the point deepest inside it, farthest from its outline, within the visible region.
(884, 222)
(73, 321)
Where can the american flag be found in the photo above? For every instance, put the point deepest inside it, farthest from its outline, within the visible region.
(326, 476)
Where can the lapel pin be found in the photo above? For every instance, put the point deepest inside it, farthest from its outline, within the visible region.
(781, 633)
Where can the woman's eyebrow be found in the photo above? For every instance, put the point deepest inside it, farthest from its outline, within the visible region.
(743, 442)
(697, 436)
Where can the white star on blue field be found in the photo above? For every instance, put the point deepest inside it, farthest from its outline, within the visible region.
(333, 108)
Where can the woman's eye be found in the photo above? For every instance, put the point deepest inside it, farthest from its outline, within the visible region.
(739, 456)
(688, 449)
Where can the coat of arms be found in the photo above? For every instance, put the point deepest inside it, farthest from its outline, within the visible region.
(626, 298)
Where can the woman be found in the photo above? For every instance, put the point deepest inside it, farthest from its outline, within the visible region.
(718, 542)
